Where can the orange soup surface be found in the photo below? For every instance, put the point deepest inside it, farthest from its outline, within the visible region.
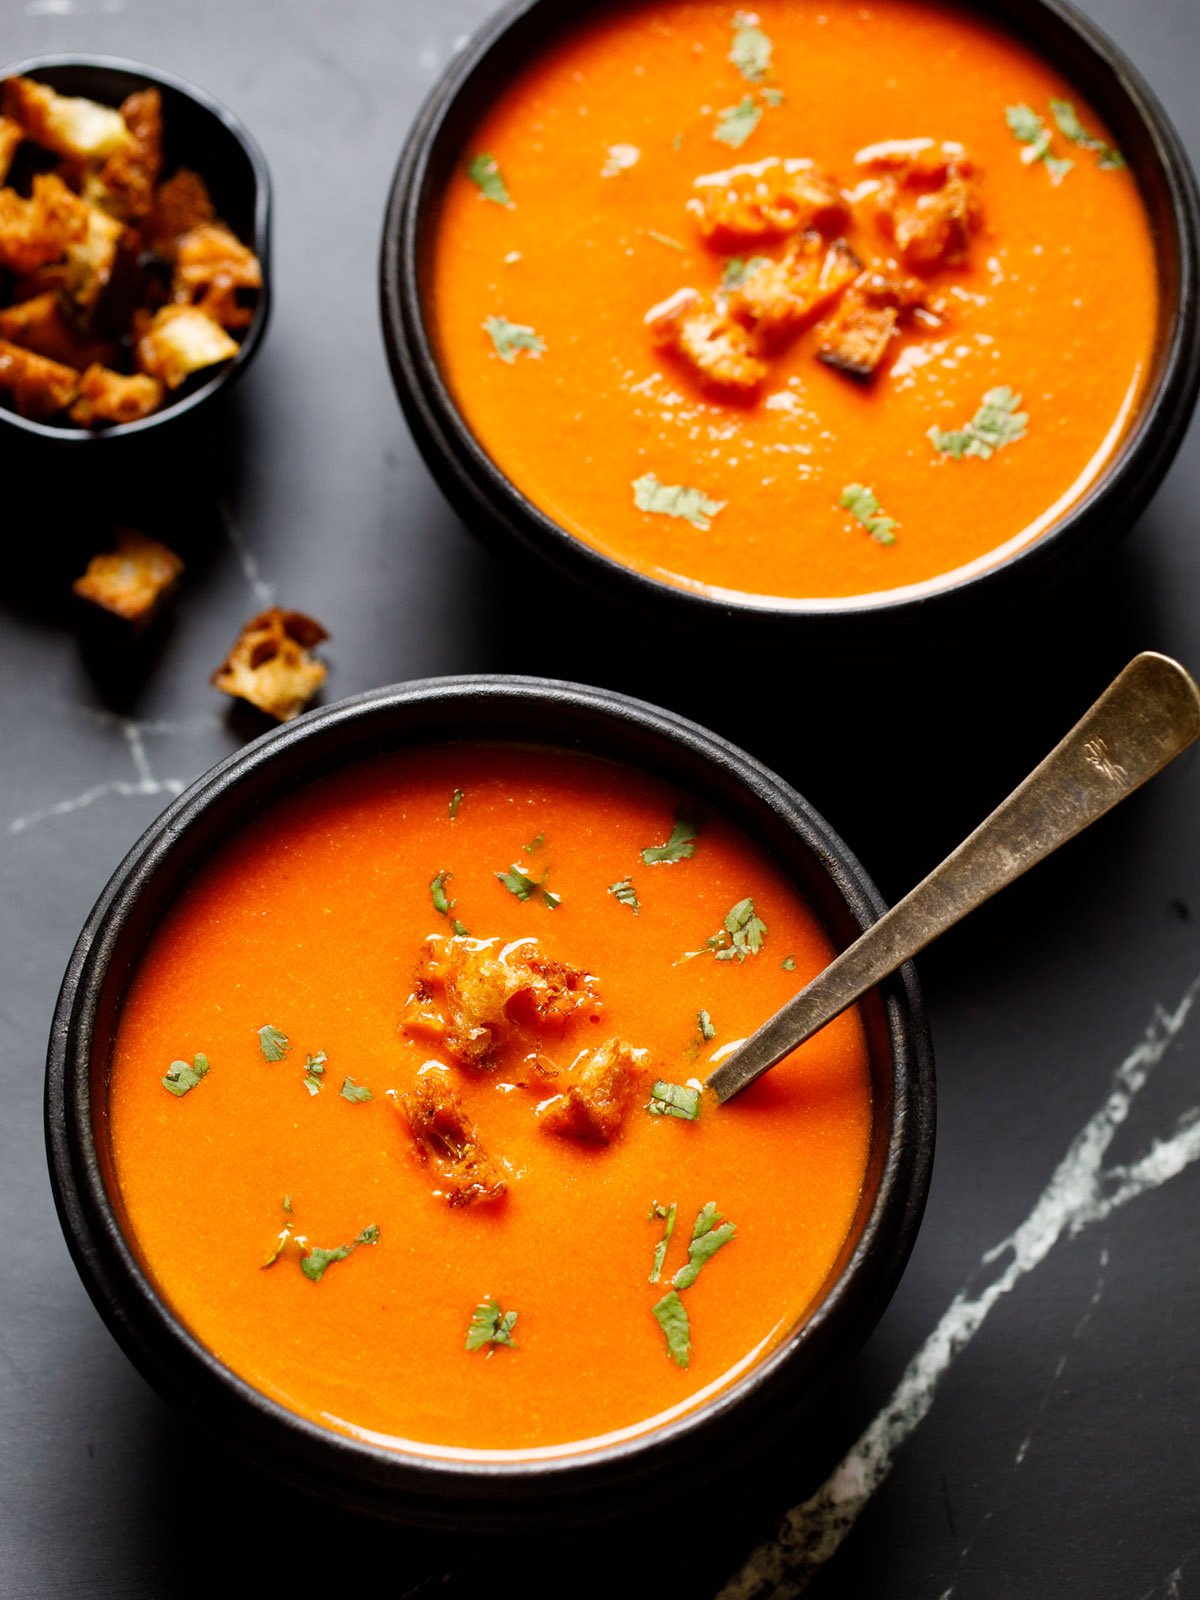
(441, 1139)
(804, 300)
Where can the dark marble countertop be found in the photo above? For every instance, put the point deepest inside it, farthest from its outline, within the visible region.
(1026, 1419)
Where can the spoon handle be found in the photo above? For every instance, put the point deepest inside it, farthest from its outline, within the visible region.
(1143, 720)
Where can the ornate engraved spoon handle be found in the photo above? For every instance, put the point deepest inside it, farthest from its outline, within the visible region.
(1141, 722)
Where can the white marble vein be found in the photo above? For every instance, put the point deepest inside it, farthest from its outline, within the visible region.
(259, 588)
(1080, 1192)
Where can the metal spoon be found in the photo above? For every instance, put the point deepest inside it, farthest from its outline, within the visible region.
(1143, 720)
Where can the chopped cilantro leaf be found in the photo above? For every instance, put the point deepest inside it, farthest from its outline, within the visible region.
(675, 500)
(287, 1203)
(737, 271)
(456, 799)
(705, 1024)
(995, 424)
(510, 338)
(314, 1071)
(788, 963)
(179, 1077)
(674, 1100)
(356, 1093)
(773, 97)
(751, 52)
(483, 171)
(1071, 128)
(679, 846)
(665, 238)
(736, 123)
(459, 930)
(1028, 129)
(626, 894)
(369, 1235)
(746, 931)
(709, 1233)
(491, 1327)
(671, 1316)
(864, 507)
(523, 886)
(272, 1043)
(660, 1249)
(534, 844)
(313, 1265)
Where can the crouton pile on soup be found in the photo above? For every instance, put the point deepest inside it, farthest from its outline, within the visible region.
(424, 1047)
(118, 282)
(800, 301)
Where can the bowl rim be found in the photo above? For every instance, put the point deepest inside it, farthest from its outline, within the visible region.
(159, 77)
(489, 502)
(390, 1481)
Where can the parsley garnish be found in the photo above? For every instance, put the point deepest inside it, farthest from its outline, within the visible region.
(510, 338)
(626, 894)
(788, 963)
(995, 424)
(523, 886)
(1071, 128)
(356, 1093)
(1029, 129)
(773, 97)
(665, 238)
(674, 1100)
(736, 123)
(287, 1203)
(737, 271)
(709, 1233)
(314, 1071)
(483, 170)
(490, 1326)
(742, 934)
(313, 1265)
(534, 844)
(179, 1077)
(751, 52)
(660, 1249)
(672, 1318)
(272, 1043)
(705, 1024)
(679, 846)
(443, 904)
(674, 500)
(456, 799)
(864, 507)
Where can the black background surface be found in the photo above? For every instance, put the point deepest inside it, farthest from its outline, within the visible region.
(1060, 1455)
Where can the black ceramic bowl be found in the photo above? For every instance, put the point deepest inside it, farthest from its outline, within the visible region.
(480, 1492)
(865, 626)
(198, 132)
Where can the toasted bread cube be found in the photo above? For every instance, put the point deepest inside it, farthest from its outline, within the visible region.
(181, 204)
(858, 337)
(92, 259)
(80, 129)
(446, 1138)
(752, 205)
(211, 266)
(179, 341)
(41, 325)
(719, 350)
(11, 134)
(38, 387)
(778, 298)
(926, 202)
(592, 1103)
(124, 185)
(133, 580)
(106, 396)
(39, 230)
(271, 666)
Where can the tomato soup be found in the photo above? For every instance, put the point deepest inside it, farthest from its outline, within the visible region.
(802, 301)
(406, 1109)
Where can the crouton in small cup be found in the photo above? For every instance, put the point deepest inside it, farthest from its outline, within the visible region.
(199, 137)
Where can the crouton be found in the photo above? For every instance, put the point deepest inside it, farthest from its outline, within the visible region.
(107, 396)
(181, 204)
(92, 259)
(754, 204)
(703, 335)
(38, 387)
(211, 266)
(778, 298)
(926, 202)
(39, 230)
(79, 129)
(472, 996)
(181, 340)
(41, 325)
(858, 336)
(593, 1100)
(11, 134)
(124, 185)
(446, 1138)
(271, 665)
(133, 580)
